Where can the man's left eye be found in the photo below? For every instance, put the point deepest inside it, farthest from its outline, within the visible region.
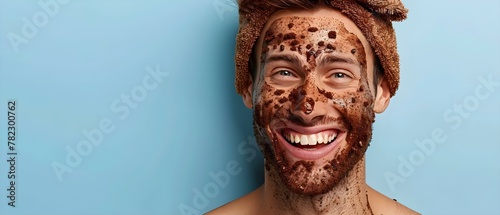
(339, 75)
(339, 79)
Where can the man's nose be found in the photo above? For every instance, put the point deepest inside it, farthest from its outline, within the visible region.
(305, 107)
(308, 110)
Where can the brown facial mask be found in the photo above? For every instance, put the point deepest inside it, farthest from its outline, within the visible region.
(313, 73)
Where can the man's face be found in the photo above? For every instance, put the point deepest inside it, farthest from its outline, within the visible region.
(312, 98)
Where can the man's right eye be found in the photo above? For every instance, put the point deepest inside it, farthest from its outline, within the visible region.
(283, 77)
(285, 73)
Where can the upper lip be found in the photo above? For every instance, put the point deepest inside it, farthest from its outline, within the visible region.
(309, 129)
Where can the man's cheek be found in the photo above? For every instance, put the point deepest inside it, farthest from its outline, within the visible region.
(359, 108)
(270, 101)
(351, 105)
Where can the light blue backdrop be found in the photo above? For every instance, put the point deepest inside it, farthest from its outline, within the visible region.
(128, 107)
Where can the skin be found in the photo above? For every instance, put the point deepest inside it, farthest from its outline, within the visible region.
(315, 74)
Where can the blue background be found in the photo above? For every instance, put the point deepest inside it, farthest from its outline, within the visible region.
(69, 75)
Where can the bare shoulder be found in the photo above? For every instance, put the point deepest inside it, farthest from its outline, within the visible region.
(382, 204)
(245, 205)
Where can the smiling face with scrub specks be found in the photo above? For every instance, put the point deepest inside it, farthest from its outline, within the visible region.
(313, 97)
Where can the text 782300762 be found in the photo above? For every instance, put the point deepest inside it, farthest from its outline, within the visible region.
(11, 152)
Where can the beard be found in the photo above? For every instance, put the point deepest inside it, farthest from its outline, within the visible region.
(319, 176)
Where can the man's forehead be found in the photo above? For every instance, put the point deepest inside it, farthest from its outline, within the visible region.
(310, 28)
(322, 17)
(302, 23)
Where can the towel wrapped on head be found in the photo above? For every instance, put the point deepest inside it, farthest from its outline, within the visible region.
(373, 17)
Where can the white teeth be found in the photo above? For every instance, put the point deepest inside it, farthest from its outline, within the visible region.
(312, 140)
(304, 140)
(320, 138)
(331, 138)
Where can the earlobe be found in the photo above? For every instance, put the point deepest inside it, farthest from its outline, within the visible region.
(383, 96)
(247, 96)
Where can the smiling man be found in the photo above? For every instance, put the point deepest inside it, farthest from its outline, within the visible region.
(315, 73)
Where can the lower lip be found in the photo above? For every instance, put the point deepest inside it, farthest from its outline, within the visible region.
(309, 154)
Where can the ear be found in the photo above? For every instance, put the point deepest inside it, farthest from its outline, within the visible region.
(247, 95)
(383, 96)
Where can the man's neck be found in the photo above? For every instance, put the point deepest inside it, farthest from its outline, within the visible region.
(347, 197)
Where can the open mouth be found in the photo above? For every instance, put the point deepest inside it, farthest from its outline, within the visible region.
(310, 141)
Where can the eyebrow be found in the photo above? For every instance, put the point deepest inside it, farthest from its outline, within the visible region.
(324, 60)
(327, 59)
(284, 57)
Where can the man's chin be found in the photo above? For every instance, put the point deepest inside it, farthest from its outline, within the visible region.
(308, 169)
(306, 178)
